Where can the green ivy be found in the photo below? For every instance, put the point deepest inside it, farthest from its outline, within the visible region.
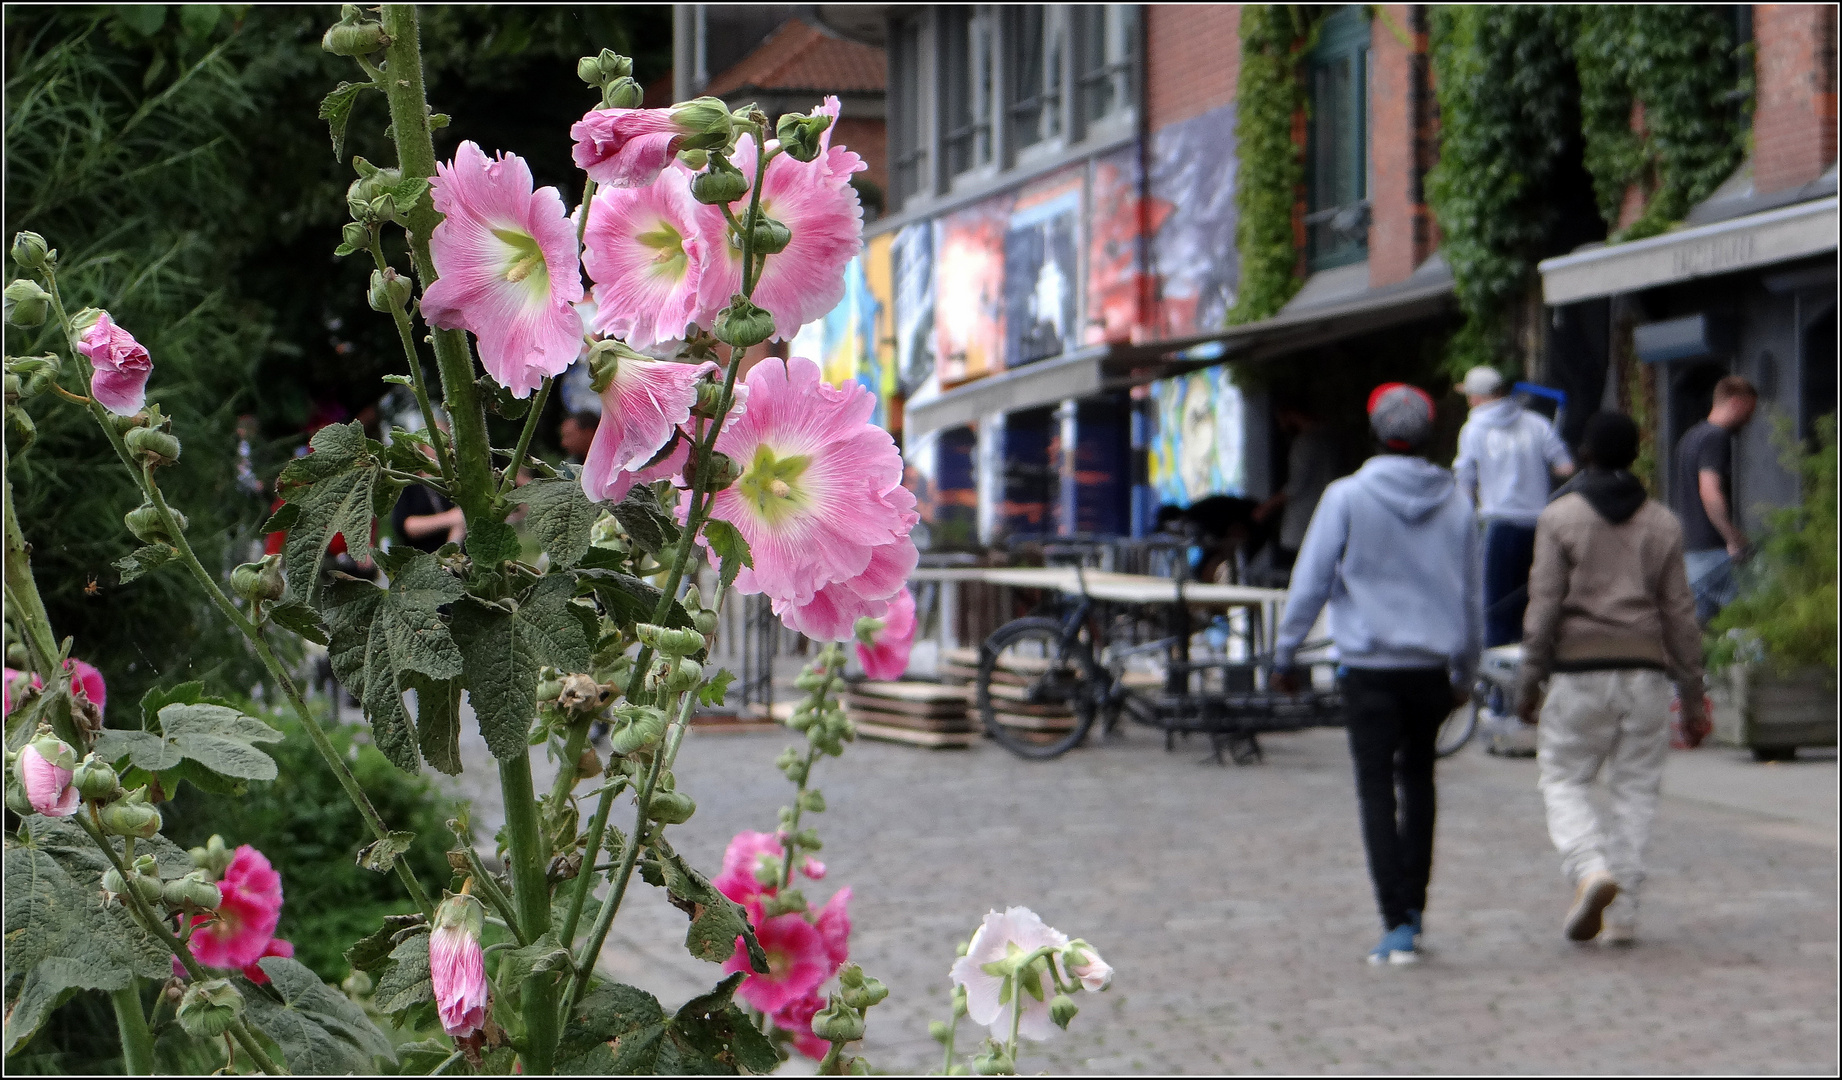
(1679, 60)
(1271, 166)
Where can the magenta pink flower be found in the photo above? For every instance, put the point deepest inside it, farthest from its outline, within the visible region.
(122, 366)
(798, 961)
(815, 201)
(796, 1019)
(645, 253)
(630, 147)
(6, 689)
(834, 925)
(641, 407)
(239, 934)
(84, 679)
(819, 494)
(887, 656)
(751, 866)
(813, 868)
(275, 947)
(508, 264)
(457, 965)
(44, 769)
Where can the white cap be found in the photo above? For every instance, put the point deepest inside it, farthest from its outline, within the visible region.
(1483, 381)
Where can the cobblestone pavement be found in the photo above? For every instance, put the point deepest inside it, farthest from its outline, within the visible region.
(1235, 906)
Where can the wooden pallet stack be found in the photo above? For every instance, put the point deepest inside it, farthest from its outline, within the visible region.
(916, 713)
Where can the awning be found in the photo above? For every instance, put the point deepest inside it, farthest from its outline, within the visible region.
(1101, 368)
(1722, 248)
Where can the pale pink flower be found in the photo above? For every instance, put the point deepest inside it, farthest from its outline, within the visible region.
(833, 611)
(457, 965)
(795, 1018)
(820, 490)
(1095, 974)
(887, 657)
(122, 366)
(641, 408)
(508, 264)
(275, 947)
(813, 868)
(1016, 932)
(630, 147)
(834, 925)
(751, 866)
(240, 932)
(44, 769)
(815, 201)
(798, 961)
(645, 253)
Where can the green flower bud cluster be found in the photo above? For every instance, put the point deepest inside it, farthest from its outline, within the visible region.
(373, 196)
(671, 807)
(209, 1008)
(353, 34)
(784, 902)
(612, 74)
(192, 893)
(131, 815)
(799, 134)
(769, 237)
(793, 765)
(30, 252)
(154, 446)
(838, 1022)
(259, 580)
(389, 291)
(742, 324)
(214, 857)
(637, 728)
(94, 778)
(721, 183)
(994, 1061)
(27, 304)
(148, 524)
(858, 990)
(669, 641)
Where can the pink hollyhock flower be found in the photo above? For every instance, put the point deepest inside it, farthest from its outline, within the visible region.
(240, 933)
(798, 961)
(275, 947)
(1095, 974)
(44, 769)
(84, 679)
(796, 1020)
(834, 925)
(820, 491)
(751, 866)
(886, 657)
(645, 253)
(641, 407)
(6, 689)
(813, 869)
(625, 148)
(832, 613)
(815, 201)
(122, 366)
(1000, 937)
(457, 965)
(508, 264)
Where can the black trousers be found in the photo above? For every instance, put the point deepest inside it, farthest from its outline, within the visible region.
(1393, 716)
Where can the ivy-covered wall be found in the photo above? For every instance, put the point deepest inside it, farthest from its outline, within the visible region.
(1271, 170)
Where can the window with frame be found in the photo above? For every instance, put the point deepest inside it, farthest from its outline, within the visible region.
(1035, 56)
(967, 88)
(908, 164)
(1106, 37)
(1337, 150)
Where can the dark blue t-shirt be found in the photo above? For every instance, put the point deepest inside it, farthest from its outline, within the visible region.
(1706, 447)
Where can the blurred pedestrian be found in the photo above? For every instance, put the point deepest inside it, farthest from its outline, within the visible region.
(1703, 496)
(576, 434)
(424, 518)
(1610, 624)
(1394, 551)
(1508, 457)
(1311, 464)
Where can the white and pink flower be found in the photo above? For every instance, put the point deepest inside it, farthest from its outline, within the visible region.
(44, 769)
(642, 405)
(645, 251)
(509, 268)
(457, 965)
(122, 366)
(1001, 938)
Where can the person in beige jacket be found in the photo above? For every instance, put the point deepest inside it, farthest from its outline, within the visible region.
(1610, 624)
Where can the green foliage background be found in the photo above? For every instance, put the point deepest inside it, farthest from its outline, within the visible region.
(1271, 167)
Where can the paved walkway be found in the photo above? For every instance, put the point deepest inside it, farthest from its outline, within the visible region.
(1235, 906)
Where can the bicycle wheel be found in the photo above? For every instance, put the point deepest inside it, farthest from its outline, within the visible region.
(1035, 689)
(1456, 729)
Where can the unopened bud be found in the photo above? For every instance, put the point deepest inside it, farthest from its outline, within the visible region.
(838, 1022)
(1061, 1010)
(799, 135)
(720, 471)
(389, 290)
(671, 807)
(705, 621)
(867, 629)
(30, 252)
(994, 1062)
(113, 883)
(709, 399)
(209, 1008)
(604, 359)
(770, 237)
(94, 779)
(149, 525)
(720, 184)
(959, 990)
(940, 1031)
(589, 71)
(355, 236)
(56, 751)
(26, 303)
(260, 580)
(152, 446)
(214, 857)
(148, 887)
(194, 892)
(351, 37)
(623, 93)
(704, 122)
(858, 990)
(131, 816)
(812, 800)
(669, 640)
(694, 160)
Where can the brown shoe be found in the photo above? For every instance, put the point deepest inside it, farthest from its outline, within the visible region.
(1596, 891)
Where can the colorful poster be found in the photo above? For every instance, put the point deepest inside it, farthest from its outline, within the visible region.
(878, 273)
(1193, 255)
(1199, 442)
(1118, 288)
(912, 256)
(1040, 274)
(843, 341)
(969, 292)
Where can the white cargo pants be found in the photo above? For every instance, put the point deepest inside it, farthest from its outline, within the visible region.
(1618, 720)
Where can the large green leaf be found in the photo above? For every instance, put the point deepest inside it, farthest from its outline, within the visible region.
(339, 488)
(213, 737)
(629, 599)
(406, 982)
(438, 721)
(716, 920)
(621, 1030)
(560, 517)
(649, 526)
(320, 1031)
(502, 646)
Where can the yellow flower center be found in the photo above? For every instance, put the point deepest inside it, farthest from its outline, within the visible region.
(771, 484)
(527, 259)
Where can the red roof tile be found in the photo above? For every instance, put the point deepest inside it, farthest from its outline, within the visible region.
(800, 56)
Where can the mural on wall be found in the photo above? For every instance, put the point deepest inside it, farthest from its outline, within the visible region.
(1198, 442)
(939, 467)
(1118, 287)
(1193, 255)
(1030, 472)
(911, 254)
(878, 273)
(1041, 270)
(969, 291)
(843, 341)
(1103, 467)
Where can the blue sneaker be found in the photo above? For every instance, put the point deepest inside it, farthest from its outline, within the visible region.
(1397, 947)
(1416, 920)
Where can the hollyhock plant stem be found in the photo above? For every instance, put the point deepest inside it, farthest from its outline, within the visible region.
(516, 464)
(406, 333)
(28, 611)
(131, 1022)
(531, 896)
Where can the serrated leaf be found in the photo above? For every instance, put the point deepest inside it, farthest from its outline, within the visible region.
(438, 721)
(142, 560)
(492, 543)
(629, 599)
(640, 516)
(716, 920)
(608, 1013)
(501, 651)
(715, 1036)
(499, 400)
(336, 487)
(407, 982)
(716, 691)
(282, 519)
(336, 110)
(212, 736)
(320, 1031)
(381, 855)
(560, 517)
(730, 549)
(301, 619)
(373, 951)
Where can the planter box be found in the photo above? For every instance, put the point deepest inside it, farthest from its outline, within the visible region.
(1758, 708)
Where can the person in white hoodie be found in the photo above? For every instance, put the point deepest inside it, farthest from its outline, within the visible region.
(1393, 550)
(1507, 459)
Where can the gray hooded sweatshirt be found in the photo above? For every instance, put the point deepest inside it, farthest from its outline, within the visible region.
(1394, 550)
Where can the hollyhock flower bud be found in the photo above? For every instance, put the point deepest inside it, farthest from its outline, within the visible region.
(152, 446)
(623, 93)
(147, 886)
(389, 290)
(859, 990)
(1061, 1010)
(1083, 962)
(838, 1022)
(26, 303)
(813, 868)
(720, 184)
(994, 1061)
(939, 1031)
(589, 71)
(113, 883)
(149, 525)
(355, 236)
(131, 815)
(667, 640)
(194, 892)
(353, 34)
(885, 651)
(770, 237)
(122, 367)
(30, 251)
(457, 966)
(799, 135)
(260, 580)
(209, 1008)
(44, 770)
(705, 621)
(671, 807)
(214, 857)
(742, 324)
(614, 65)
(95, 779)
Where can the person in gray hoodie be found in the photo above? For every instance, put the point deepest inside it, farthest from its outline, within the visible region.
(1394, 551)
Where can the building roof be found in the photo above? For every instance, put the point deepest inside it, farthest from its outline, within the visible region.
(802, 57)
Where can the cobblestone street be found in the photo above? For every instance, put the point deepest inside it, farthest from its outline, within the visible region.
(1234, 904)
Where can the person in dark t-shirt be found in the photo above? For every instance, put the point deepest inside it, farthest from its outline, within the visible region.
(1703, 496)
(426, 520)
